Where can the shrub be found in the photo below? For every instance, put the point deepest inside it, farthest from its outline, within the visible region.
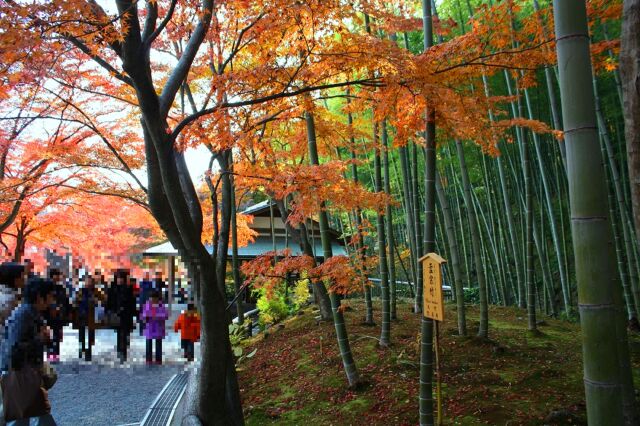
(472, 295)
(272, 309)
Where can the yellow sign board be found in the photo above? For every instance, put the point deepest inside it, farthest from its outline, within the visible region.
(432, 297)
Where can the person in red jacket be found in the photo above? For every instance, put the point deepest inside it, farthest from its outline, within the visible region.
(189, 325)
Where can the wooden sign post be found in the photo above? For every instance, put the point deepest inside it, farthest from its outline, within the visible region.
(433, 307)
(432, 297)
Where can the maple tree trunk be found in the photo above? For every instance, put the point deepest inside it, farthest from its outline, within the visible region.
(235, 264)
(301, 236)
(389, 223)
(218, 376)
(385, 332)
(342, 336)
(454, 257)
(607, 373)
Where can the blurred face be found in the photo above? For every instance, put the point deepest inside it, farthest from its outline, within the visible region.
(19, 282)
(120, 280)
(43, 303)
(90, 281)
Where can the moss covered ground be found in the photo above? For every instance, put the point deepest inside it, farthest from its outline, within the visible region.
(515, 378)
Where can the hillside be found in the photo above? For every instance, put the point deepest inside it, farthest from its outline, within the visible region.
(296, 376)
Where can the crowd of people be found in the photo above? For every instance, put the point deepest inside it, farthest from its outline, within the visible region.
(34, 311)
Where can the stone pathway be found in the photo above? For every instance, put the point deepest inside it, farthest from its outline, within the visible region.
(104, 391)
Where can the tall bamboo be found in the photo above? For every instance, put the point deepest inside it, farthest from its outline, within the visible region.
(389, 221)
(627, 233)
(607, 372)
(483, 330)
(426, 324)
(454, 260)
(546, 186)
(385, 332)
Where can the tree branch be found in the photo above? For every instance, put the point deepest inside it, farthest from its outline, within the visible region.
(179, 74)
(147, 41)
(190, 119)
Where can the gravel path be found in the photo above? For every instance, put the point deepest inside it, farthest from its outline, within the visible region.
(105, 392)
(101, 395)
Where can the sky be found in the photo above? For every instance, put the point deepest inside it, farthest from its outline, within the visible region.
(197, 161)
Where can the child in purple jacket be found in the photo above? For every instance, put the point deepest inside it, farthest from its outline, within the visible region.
(154, 314)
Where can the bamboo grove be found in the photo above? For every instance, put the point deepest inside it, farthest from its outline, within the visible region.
(410, 127)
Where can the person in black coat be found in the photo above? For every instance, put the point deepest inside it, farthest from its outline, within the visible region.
(58, 315)
(124, 305)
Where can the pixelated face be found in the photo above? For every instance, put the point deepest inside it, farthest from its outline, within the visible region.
(43, 303)
(19, 282)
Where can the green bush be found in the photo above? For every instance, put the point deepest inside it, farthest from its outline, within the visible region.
(472, 295)
(272, 309)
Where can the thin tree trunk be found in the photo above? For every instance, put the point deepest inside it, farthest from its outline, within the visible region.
(350, 368)
(235, 264)
(366, 289)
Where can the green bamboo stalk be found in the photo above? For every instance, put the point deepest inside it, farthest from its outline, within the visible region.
(408, 202)
(564, 282)
(620, 201)
(553, 101)
(607, 372)
(389, 221)
(385, 332)
(418, 230)
(622, 269)
(483, 330)
(454, 260)
(426, 324)
(490, 248)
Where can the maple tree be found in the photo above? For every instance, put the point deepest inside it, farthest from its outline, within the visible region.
(131, 85)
